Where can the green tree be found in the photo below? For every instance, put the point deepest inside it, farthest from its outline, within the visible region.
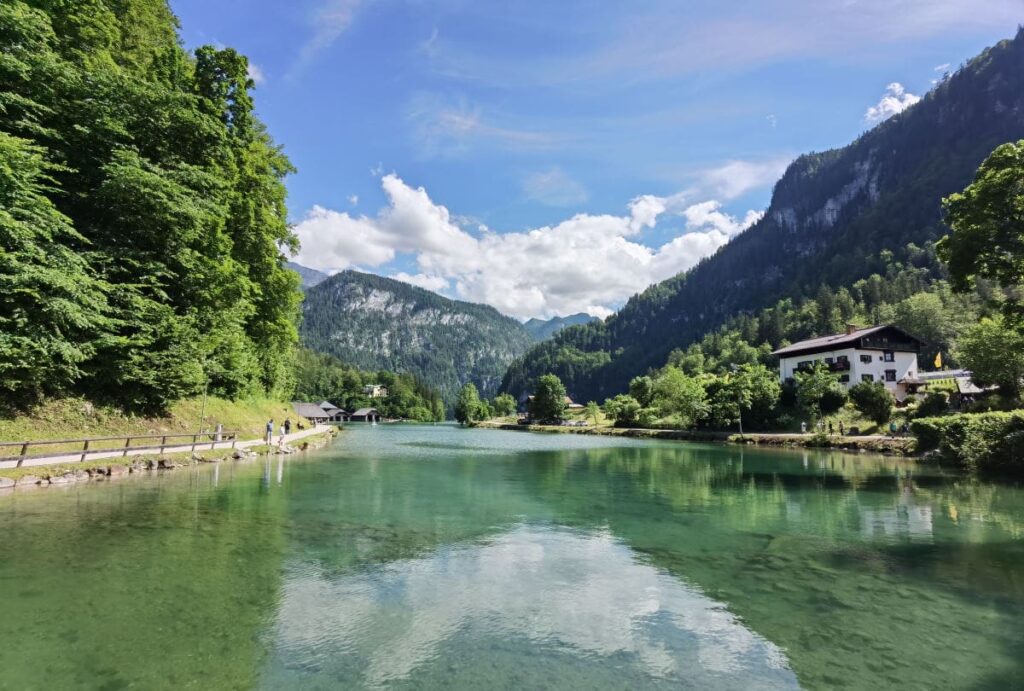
(818, 392)
(873, 400)
(52, 308)
(548, 399)
(987, 222)
(752, 391)
(467, 406)
(624, 410)
(994, 353)
(592, 412)
(504, 405)
(642, 389)
(680, 397)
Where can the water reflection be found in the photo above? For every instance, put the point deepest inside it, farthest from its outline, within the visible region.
(539, 589)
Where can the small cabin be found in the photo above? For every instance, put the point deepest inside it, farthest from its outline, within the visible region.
(365, 415)
(884, 354)
(335, 414)
(312, 412)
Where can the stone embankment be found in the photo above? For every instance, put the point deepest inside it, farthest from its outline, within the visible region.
(43, 476)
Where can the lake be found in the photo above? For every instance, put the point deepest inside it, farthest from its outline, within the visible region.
(436, 557)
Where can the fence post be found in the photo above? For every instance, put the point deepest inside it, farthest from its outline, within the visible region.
(127, 441)
(85, 451)
(195, 438)
(24, 452)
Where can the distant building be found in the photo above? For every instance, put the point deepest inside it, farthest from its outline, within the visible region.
(884, 354)
(335, 414)
(365, 415)
(375, 391)
(312, 412)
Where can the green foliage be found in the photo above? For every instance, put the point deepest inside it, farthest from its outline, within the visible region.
(987, 220)
(992, 442)
(642, 389)
(504, 405)
(934, 403)
(752, 391)
(322, 377)
(592, 412)
(52, 308)
(873, 400)
(468, 407)
(548, 402)
(994, 353)
(155, 190)
(379, 323)
(679, 397)
(819, 392)
(766, 286)
(624, 410)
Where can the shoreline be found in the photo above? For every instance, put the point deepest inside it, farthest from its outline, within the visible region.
(904, 447)
(37, 477)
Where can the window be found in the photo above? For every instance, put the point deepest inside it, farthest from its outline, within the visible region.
(842, 358)
(889, 356)
(806, 364)
(828, 361)
(844, 378)
(890, 375)
(865, 358)
(867, 377)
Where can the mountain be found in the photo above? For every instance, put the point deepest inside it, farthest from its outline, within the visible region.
(373, 323)
(543, 329)
(310, 277)
(834, 218)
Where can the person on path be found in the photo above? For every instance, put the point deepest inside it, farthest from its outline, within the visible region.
(288, 425)
(803, 428)
(270, 431)
(892, 429)
(842, 429)
(831, 430)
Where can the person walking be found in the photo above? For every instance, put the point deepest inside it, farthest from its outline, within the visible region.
(288, 425)
(842, 429)
(270, 431)
(831, 430)
(803, 428)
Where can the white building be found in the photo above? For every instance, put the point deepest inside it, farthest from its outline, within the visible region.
(880, 353)
(375, 391)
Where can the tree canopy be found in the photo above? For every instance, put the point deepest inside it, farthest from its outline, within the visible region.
(144, 226)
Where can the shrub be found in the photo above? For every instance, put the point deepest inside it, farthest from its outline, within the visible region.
(975, 441)
(873, 400)
(934, 403)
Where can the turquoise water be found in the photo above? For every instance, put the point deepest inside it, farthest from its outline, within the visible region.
(436, 557)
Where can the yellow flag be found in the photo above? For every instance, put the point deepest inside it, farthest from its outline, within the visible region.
(938, 361)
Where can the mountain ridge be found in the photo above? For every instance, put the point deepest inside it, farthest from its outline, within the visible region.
(373, 322)
(835, 217)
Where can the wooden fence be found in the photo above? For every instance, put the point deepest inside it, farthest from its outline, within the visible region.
(106, 445)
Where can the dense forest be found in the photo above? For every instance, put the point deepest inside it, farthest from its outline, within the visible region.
(840, 223)
(323, 377)
(375, 323)
(142, 213)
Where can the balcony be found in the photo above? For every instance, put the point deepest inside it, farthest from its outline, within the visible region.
(837, 366)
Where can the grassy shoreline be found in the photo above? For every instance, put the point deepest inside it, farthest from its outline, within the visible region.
(899, 446)
(101, 468)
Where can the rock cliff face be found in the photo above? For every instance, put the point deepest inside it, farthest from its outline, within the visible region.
(832, 216)
(373, 323)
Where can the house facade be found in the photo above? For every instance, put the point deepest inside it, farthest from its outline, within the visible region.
(884, 354)
(375, 391)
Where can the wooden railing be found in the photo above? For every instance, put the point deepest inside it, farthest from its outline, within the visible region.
(99, 445)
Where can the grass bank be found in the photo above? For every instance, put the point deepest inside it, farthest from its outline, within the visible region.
(74, 418)
(900, 446)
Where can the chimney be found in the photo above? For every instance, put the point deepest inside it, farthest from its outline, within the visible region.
(850, 328)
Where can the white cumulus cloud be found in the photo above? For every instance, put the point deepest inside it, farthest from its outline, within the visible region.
(586, 263)
(256, 73)
(895, 100)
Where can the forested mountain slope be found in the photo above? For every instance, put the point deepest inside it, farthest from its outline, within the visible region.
(373, 323)
(310, 277)
(543, 329)
(835, 217)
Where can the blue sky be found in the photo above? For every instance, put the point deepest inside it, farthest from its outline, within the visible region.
(552, 157)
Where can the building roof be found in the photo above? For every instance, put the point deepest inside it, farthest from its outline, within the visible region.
(309, 410)
(363, 412)
(844, 340)
(327, 405)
